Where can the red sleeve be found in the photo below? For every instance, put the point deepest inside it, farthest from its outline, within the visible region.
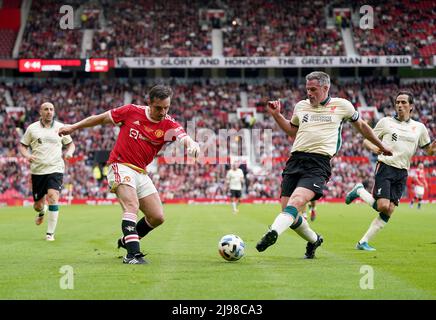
(121, 113)
(175, 132)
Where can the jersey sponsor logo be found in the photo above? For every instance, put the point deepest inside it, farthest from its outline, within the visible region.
(158, 133)
(406, 138)
(156, 143)
(133, 133)
(52, 139)
(320, 118)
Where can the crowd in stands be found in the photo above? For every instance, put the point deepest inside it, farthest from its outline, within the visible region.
(208, 106)
(297, 28)
(400, 28)
(375, 90)
(153, 28)
(45, 38)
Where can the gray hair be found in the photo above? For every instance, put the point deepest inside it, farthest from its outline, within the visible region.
(322, 77)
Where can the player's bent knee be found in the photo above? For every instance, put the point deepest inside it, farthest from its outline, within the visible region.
(157, 220)
(38, 206)
(297, 202)
(52, 197)
(383, 207)
(160, 220)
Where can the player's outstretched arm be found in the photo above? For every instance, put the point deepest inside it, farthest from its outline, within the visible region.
(273, 108)
(369, 134)
(92, 121)
(372, 147)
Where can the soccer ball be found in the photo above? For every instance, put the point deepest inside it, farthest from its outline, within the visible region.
(231, 247)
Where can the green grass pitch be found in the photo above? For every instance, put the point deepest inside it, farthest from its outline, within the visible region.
(185, 264)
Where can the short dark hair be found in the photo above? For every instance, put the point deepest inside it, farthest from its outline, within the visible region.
(408, 93)
(160, 92)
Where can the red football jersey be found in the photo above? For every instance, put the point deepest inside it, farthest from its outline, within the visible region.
(140, 138)
(420, 178)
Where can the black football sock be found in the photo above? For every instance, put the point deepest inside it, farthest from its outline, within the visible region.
(131, 239)
(143, 228)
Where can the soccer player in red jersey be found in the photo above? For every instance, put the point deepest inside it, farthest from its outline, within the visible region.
(420, 184)
(144, 130)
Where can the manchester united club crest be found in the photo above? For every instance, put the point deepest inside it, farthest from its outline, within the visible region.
(158, 133)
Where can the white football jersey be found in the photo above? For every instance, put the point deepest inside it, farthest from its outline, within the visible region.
(403, 137)
(235, 178)
(320, 127)
(46, 145)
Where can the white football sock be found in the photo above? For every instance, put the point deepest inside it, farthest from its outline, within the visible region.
(366, 196)
(282, 222)
(44, 210)
(376, 225)
(306, 232)
(52, 221)
(234, 206)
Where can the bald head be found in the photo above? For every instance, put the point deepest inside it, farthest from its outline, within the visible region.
(46, 105)
(46, 111)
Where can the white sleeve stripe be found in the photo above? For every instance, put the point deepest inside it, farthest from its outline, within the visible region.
(112, 119)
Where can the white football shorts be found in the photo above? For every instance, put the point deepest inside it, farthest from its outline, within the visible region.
(121, 174)
(419, 191)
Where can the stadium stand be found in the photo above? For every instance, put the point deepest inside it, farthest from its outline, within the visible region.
(297, 28)
(123, 29)
(9, 25)
(176, 30)
(402, 28)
